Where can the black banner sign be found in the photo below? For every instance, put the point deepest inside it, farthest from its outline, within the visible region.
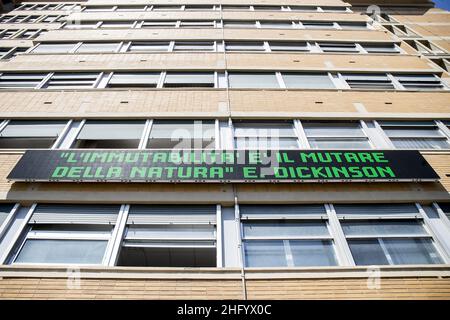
(221, 166)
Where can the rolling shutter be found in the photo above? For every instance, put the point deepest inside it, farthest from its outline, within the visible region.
(160, 214)
(257, 212)
(75, 214)
(362, 211)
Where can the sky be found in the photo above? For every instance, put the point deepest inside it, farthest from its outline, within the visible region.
(443, 4)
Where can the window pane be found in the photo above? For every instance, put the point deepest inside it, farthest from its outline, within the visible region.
(383, 228)
(332, 129)
(307, 81)
(276, 25)
(244, 46)
(338, 47)
(5, 209)
(266, 143)
(367, 252)
(54, 48)
(353, 25)
(288, 46)
(148, 46)
(380, 48)
(264, 129)
(267, 253)
(317, 25)
(182, 134)
(105, 130)
(239, 24)
(71, 80)
(191, 46)
(417, 143)
(29, 128)
(285, 229)
(339, 144)
(275, 253)
(312, 253)
(412, 251)
(186, 79)
(412, 132)
(62, 251)
(98, 47)
(21, 80)
(148, 79)
(253, 80)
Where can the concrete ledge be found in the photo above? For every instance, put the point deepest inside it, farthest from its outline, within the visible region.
(435, 271)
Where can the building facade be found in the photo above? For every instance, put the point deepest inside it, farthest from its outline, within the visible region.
(347, 102)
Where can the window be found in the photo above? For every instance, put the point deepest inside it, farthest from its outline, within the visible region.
(380, 47)
(265, 135)
(307, 81)
(267, 8)
(415, 134)
(194, 46)
(67, 234)
(54, 48)
(8, 33)
(28, 34)
(419, 81)
(235, 8)
(378, 238)
(301, 238)
(335, 135)
(49, 19)
(288, 46)
(148, 46)
(5, 211)
(445, 207)
(197, 24)
(71, 80)
(303, 8)
(170, 236)
(97, 47)
(334, 9)
(166, 8)
(116, 24)
(338, 47)
(353, 25)
(189, 79)
(368, 81)
(80, 25)
(159, 24)
(109, 135)
(30, 134)
(98, 8)
(244, 46)
(130, 8)
(318, 25)
(239, 24)
(276, 24)
(136, 79)
(198, 8)
(20, 80)
(253, 80)
(189, 134)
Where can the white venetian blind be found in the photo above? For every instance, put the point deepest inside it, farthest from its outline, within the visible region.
(75, 214)
(19, 129)
(283, 212)
(111, 130)
(172, 214)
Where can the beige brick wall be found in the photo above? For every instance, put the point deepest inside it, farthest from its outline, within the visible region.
(441, 164)
(213, 103)
(216, 61)
(213, 34)
(396, 288)
(391, 288)
(44, 288)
